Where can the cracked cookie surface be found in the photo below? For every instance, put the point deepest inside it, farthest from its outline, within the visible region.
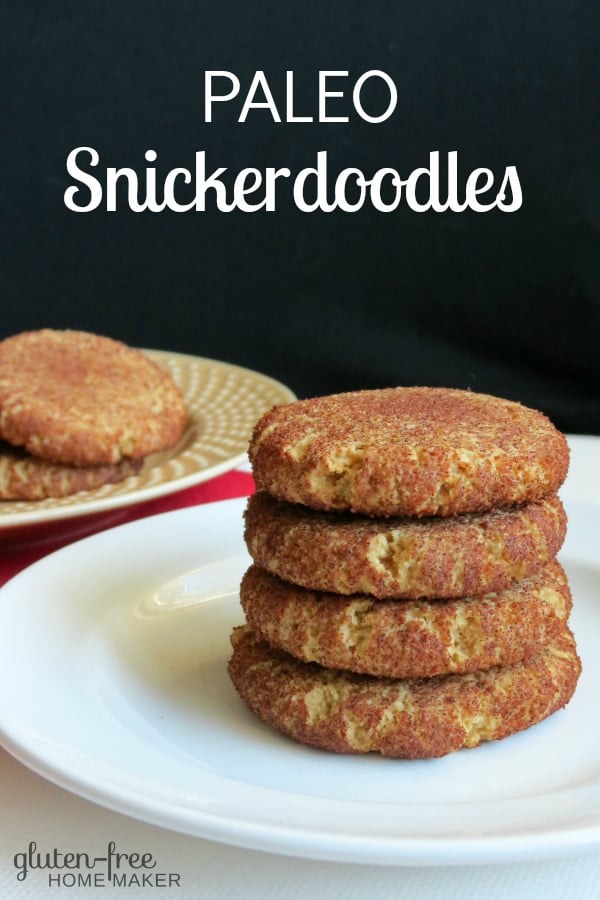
(26, 477)
(400, 557)
(410, 718)
(81, 399)
(413, 451)
(407, 638)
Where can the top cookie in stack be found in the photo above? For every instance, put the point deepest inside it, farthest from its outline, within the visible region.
(408, 452)
(408, 535)
(78, 410)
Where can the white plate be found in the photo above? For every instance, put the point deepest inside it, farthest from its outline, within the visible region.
(113, 684)
(223, 402)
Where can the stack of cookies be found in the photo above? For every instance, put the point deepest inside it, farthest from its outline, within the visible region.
(77, 411)
(405, 597)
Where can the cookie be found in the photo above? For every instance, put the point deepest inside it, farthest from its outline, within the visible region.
(26, 477)
(412, 451)
(81, 399)
(407, 638)
(403, 557)
(410, 718)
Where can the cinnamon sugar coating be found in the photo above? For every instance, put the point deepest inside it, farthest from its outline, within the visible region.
(413, 451)
(80, 399)
(407, 638)
(403, 557)
(410, 718)
(26, 477)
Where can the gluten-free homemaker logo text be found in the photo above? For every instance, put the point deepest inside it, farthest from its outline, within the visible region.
(81, 869)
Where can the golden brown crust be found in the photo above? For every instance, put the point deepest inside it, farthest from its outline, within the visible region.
(408, 451)
(400, 557)
(81, 399)
(422, 718)
(25, 477)
(407, 638)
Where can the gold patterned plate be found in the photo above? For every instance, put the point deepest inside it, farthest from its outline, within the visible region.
(223, 401)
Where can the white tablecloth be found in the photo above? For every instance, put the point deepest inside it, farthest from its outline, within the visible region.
(35, 810)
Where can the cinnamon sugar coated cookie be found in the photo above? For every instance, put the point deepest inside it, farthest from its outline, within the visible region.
(409, 718)
(405, 596)
(26, 477)
(408, 451)
(401, 557)
(407, 638)
(81, 399)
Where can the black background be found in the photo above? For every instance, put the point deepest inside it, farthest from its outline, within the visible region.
(497, 302)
